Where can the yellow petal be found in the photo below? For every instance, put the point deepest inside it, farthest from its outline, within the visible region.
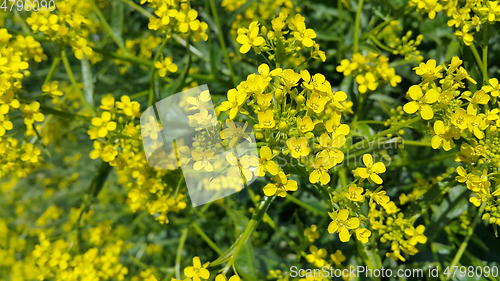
(411, 107)
(426, 112)
(333, 227)
(344, 234)
(270, 189)
(415, 92)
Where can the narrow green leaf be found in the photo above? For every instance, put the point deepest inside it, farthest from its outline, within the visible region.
(117, 19)
(252, 225)
(88, 83)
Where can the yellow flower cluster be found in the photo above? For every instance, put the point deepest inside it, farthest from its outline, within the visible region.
(370, 71)
(141, 47)
(55, 262)
(70, 23)
(176, 17)
(404, 46)
(317, 257)
(262, 11)
(466, 16)
(466, 116)
(117, 141)
(287, 38)
(288, 114)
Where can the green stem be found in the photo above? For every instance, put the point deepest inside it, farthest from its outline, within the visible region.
(407, 123)
(359, 108)
(470, 231)
(206, 238)
(129, 58)
(356, 26)
(52, 70)
(106, 26)
(23, 24)
(74, 83)
(59, 113)
(380, 45)
(138, 8)
(182, 241)
(476, 55)
(222, 43)
(340, 7)
(152, 96)
(252, 225)
(370, 122)
(416, 143)
(296, 201)
(485, 53)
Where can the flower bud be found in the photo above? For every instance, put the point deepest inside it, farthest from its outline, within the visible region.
(283, 127)
(300, 99)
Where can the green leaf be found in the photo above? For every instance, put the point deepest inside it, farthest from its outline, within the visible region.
(245, 261)
(251, 226)
(117, 19)
(300, 228)
(453, 49)
(88, 83)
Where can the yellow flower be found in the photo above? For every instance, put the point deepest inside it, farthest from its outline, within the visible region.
(342, 224)
(203, 160)
(463, 176)
(266, 119)
(80, 48)
(363, 234)
(108, 102)
(222, 277)
(199, 102)
(316, 102)
(249, 37)
(302, 34)
(151, 128)
(316, 256)
(311, 233)
(281, 186)
(330, 149)
(429, 71)
(298, 147)
(367, 82)
(187, 21)
(235, 101)
(104, 124)
(52, 89)
(107, 152)
(165, 65)
(417, 235)
(480, 97)
(5, 125)
(337, 257)
(441, 136)
(355, 193)
(266, 164)
(197, 272)
(372, 170)
(461, 119)
(493, 88)
(31, 113)
(245, 164)
(333, 125)
(320, 171)
(31, 153)
(305, 125)
(130, 108)
(347, 67)
(421, 102)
